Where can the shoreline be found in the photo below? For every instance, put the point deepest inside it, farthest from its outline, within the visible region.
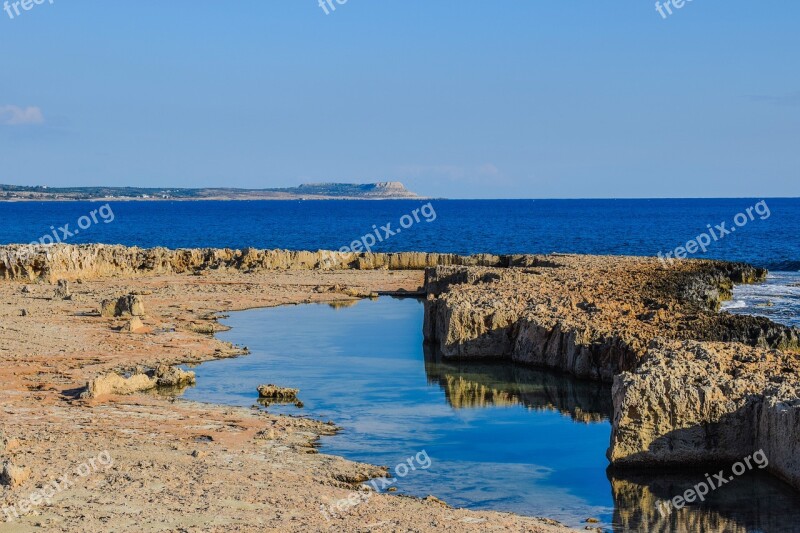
(217, 199)
(181, 446)
(60, 343)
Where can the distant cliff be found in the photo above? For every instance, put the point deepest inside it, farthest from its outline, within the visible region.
(384, 190)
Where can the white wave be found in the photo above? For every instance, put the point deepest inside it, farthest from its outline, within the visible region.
(734, 304)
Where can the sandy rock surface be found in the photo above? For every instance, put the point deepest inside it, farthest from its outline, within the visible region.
(152, 463)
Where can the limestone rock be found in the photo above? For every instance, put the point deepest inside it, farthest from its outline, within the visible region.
(113, 383)
(274, 392)
(133, 325)
(13, 476)
(692, 403)
(173, 376)
(128, 305)
(94, 261)
(62, 291)
(691, 385)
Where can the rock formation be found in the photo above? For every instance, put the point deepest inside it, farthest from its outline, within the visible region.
(94, 261)
(12, 475)
(274, 392)
(62, 291)
(691, 385)
(162, 376)
(128, 305)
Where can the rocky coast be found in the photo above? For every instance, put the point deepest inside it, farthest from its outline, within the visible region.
(79, 381)
(691, 386)
(91, 335)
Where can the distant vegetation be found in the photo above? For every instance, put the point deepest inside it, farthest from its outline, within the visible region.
(380, 190)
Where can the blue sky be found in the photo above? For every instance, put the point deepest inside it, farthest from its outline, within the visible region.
(502, 99)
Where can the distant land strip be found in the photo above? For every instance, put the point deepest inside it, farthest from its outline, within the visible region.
(384, 190)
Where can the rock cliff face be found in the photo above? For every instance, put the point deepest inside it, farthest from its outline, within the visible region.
(98, 261)
(691, 385)
(695, 403)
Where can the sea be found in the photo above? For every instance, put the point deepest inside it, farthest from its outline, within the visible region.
(762, 231)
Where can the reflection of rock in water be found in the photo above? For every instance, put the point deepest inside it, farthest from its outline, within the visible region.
(342, 304)
(267, 402)
(753, 502)
(470, 384)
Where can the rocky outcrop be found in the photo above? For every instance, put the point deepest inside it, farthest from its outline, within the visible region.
(62, 291)
(691, 385)
(694, 403)
(274, 392)
(128, 305)
(99, 261)
(162, 376)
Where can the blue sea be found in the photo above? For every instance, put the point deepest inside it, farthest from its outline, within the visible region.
(619, 227)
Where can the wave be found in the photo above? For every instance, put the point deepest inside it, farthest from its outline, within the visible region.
(735, 304)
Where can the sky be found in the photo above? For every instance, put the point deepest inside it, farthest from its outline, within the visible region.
(459, 99)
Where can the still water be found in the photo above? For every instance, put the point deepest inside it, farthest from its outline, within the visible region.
(500, 436)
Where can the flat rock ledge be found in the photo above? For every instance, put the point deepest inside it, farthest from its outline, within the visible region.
(691, 385)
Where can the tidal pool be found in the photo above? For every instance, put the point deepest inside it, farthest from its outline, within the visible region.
(499, 436)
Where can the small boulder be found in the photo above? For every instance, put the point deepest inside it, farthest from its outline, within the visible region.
(62, 290)
(273, 392)
(128, 305)
(13, 476)
(172, 376)
(133, 325)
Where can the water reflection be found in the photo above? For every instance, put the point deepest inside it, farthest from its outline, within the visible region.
(755, 502)
(484, 384)
(501, 436)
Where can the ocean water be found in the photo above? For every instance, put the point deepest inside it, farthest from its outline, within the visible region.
(493, 435)
(777, 299)
(619, 227)
(769, 237)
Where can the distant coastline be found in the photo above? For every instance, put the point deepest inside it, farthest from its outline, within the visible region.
(385, 190)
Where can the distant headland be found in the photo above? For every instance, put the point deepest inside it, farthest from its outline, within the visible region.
(384, 190)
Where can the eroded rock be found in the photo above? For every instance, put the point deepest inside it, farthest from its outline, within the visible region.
(12, 475)
(691, 385)
(162, 376)
(274, 392)
(62, 291)
(128, 305)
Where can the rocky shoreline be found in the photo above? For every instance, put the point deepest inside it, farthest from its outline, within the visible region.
(690, 385)
(79, 381)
